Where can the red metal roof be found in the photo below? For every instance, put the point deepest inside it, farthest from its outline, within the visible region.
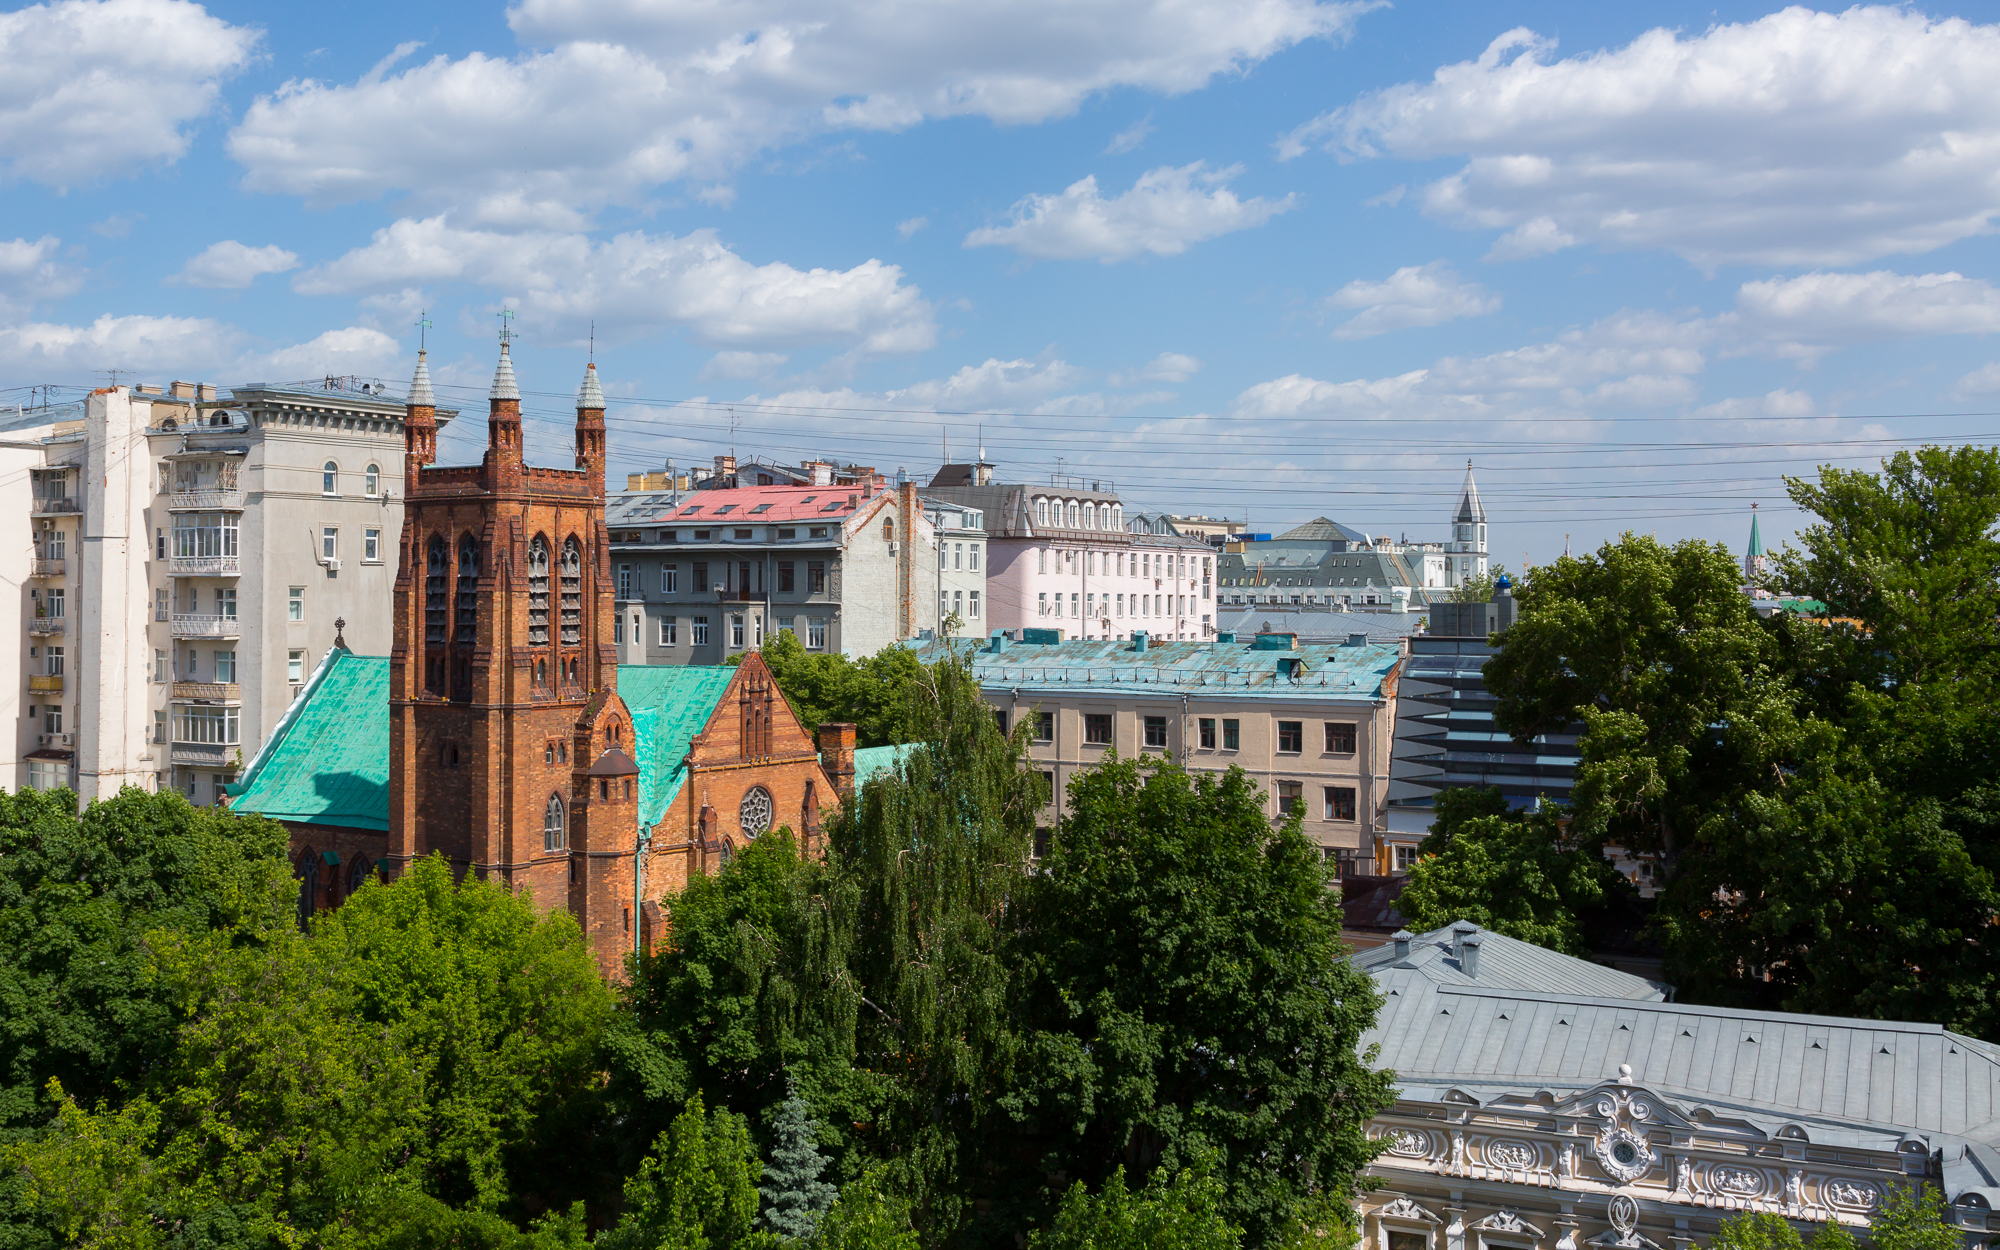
(762, 505)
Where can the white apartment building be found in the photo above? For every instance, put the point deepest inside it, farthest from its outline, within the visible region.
(192, 556)
(961, 564)
(1060, 556)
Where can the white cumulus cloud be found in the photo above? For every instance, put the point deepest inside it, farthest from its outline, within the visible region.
(231, 266)
(644, 282)
(1166, 211)
(1801, 138)
(1415, 295)
(95, 87)
(143, 343)
(1806, 316)
(30, 273)
(352, 349)
(615, 98)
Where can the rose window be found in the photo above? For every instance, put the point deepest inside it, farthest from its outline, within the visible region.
(754, 816)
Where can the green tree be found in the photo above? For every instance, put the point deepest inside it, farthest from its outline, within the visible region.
(1183, 991)
(697, 1190)
(873, 694)
(1913, 1218)
(1519, 875)
(794, 1195)
(1760, 1230)
(1456, 808)
(1177, 1210)
(1479, 587)
(868, 1217)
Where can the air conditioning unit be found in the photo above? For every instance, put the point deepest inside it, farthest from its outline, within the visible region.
(892, 548)
(54, 740)
(332, 566)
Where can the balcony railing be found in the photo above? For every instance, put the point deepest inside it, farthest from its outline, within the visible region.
(205, 566)
(213, 691)
(58, 507)
(40, 683)
(47, 624)
(189, 626)
(48, 568)
(224, 497)
(201, 753)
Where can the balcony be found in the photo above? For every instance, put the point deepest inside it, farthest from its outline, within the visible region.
(201, 754)
(66, 506)
(217, 498)
(187, 626)
(205, 566)
(209, 691)
(45, 625)
(39, 683)
(48, 568)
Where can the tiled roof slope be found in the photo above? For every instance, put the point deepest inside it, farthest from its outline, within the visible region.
(670, 703)
(1511, 1031)
(1233, 668)
(785, 503)
(328, 762)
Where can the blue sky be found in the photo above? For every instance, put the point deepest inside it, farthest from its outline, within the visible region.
(1258, 257)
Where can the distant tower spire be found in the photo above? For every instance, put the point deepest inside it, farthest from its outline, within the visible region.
(590, 427)
(1468, 535)
(419, 423)
(1756, 564)
(503, 415)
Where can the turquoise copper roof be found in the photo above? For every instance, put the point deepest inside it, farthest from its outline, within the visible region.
(870, 761)
(670, 704)
(328, 761)
(1233, 670)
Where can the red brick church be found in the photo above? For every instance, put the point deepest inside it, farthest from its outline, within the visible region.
(510, 746)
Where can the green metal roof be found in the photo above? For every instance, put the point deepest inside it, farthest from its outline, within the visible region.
(1173, 670)
(869, 761)
(328, 762)
(670, 703)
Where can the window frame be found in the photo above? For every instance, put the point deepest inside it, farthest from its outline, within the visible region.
(1150, 724)
(1096, 724)
(329, 480)
(1294, 733)
(1232, 734)
(1339, 731)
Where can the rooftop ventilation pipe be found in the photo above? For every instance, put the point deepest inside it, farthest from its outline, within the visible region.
(1401, 940)
(1139, 640)
(1468, 956)
(1357, 640)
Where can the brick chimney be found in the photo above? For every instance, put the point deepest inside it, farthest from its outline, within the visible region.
(836, 756)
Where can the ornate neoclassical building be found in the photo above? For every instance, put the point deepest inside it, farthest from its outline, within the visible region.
(1547, 1103)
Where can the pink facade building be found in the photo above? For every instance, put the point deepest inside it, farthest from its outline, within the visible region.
(1059, 557)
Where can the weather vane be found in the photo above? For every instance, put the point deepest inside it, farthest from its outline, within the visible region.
(506, 316)
(423, 325)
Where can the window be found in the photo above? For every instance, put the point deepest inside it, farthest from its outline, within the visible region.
(736, 631)
(1408, 1241)
(784, 535)
(159, 544)
(204, 535)
(742, 536)
(1075, 606)
(785, 577)
(958, 604)
(753, 814)
(944, 556)
(52, 718)
(624, 581)
(817, 531)
(47, 774)
(1045, 727)
(555, 825)
(972, 556)
(159, 605)
(570, 587)
(1340, 802)
(618, 628)
(56, 602)
(700, 585)
(371, 481)
(159, 727)
(1290, 798)
(1232, 738)
(53, 662)
(225, 667)
(1156, 731)
(1206, 726)
(1041, 560)
(208, 725)
(958, 555)
(159, 665)
(371, 546)
(329, 478)
(1097, 728)
(972, 605)
(700, 631)
(670, 579)
(944, 604)
(815, 633)
(295, 604)
(1340, 737)
(1000, 720)
(1041, 511)
(1406, 857)
(329, 539)
(295, 666)
(1291, 737)
(669, 631)
(1042, 604)
(816, 577)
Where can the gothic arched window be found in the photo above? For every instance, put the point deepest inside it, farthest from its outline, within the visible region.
(437, 566)
(467, 596)
(538, 599)
(555, 825)
(572, 592)
(889, 530)
(329, 478)
(371, 482)
(754, 814)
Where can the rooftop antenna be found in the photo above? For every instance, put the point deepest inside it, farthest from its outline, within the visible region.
(423, 327)
(593, 340)
(732, 433)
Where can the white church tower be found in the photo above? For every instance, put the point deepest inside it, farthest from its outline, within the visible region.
(1467, 549)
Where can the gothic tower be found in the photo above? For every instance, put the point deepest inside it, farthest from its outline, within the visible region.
(510, 750)
(1468, 535)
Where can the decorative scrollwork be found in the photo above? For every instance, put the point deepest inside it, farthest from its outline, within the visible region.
(1624, 1213)
(755, 813)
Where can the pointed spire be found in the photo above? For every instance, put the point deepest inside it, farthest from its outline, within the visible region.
(421, 395)
(590, 394)
(1469, 507)
(503, 377)
(1756, 539)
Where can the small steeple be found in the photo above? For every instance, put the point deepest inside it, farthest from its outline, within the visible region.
(1755, 562)
(590, 428)
(590, 394)
(421, 395)
(1470, 510)
(503, 377)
